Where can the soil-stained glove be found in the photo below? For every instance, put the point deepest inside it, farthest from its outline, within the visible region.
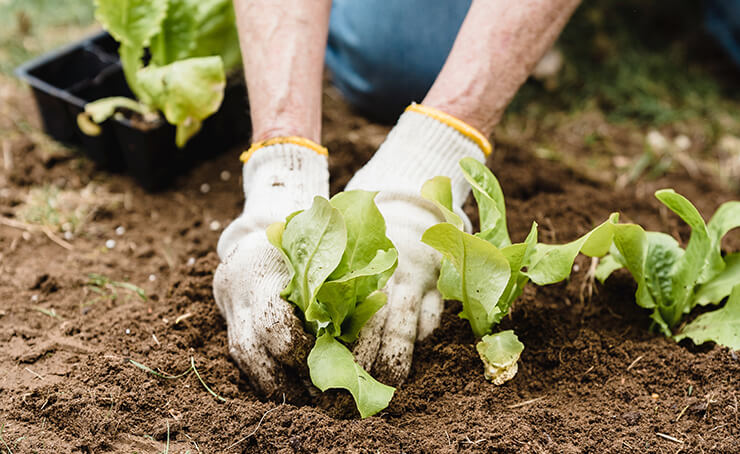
(281, 176)
(424, 143)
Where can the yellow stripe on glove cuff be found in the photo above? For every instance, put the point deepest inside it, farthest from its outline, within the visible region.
(462, 127)
(296, 140)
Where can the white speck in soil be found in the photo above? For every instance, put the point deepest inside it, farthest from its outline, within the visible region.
(34, 298)
(576, 268)
(110, 244)
(26, 236)
(164, 320)
(191, 261)
(152, 278)
(128, 331)
(225, 175)
(68, 236)
(214, 225)
(205, 188)
(120, 230)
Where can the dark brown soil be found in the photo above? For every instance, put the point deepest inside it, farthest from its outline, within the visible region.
(592, 379)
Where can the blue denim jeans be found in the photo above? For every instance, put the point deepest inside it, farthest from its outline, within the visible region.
(385, 54)
(723, 21)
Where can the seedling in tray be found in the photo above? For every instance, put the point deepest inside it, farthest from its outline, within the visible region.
(486, 272)
(191, 45)
(339, 258)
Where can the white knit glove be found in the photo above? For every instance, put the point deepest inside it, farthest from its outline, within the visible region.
(281, 176)
(424, 143)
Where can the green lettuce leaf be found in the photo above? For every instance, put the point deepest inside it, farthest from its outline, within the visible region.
(690, 266)
(551, 263)
(438, 190)
(332, 365)
(490, 198)
(721, 326)
(482, 269)
(517, 255)
(216, 32)
(177, 33)
(314, 242)
(186, 91)
(500, 353)
(363, 312)
(339, 258)
(339, 297)
(131, 22)
(714, 291)
(726, 218)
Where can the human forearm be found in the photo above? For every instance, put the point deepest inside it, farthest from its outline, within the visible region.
(283, 43)
(497, 47)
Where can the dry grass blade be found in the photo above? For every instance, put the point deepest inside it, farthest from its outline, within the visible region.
(158, 374)
(50, 312)
(668, 437)
(526, 402)
(192, 365)
(259, 424)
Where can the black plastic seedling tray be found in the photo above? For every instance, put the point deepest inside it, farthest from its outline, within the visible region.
(65, 80)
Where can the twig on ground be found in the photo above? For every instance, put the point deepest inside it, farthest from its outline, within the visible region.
(526, 402)
(471, 442)
(634, 362)
(668, 437)
(259, 424)
(34, 373)
(32, 228)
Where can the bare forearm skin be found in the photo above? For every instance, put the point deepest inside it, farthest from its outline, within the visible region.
(497, 47)
(283, 44)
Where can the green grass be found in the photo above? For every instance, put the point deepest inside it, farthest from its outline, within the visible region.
(643, 62)
(31, 27)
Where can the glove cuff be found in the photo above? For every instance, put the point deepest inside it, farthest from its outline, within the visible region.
(279, 178)
(424, 143)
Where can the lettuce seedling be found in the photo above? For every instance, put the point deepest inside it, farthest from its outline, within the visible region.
(487, 272)
(192, 43)
(339, 258)
(672, 281)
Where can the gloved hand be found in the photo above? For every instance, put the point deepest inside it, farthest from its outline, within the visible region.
(424, 143)
(281, 176)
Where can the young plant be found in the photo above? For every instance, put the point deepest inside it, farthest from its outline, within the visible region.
(191, 44)
(672, 281)
(339, 258)
(486, 272)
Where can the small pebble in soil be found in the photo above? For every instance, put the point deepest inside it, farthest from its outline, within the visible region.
(576, 268)
(128, 331)
(110, 244)
(120, 230)
(655, 396)
(225, 175)
(34, 298)
(68, 236)
(682, 142)
(191, 261)
(205, 188)
(165, 320)
(26, 236)
(214, 225)
(152, 278)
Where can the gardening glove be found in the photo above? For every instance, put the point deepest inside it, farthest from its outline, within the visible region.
(281, 176)
(424, 143)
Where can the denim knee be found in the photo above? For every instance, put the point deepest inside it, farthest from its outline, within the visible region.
(384, 54)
